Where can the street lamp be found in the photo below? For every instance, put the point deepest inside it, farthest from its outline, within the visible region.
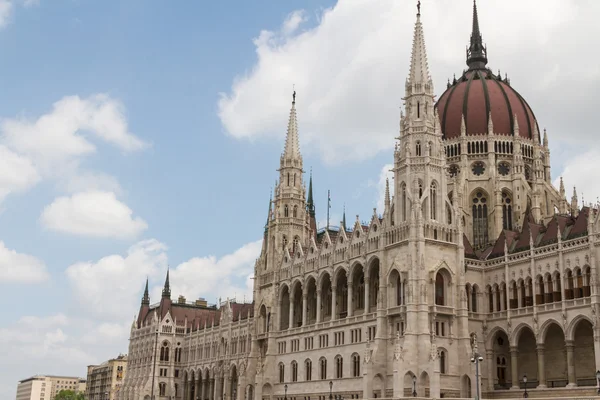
(525, 395)
(330, 388)
(598, 379)
(414, 386)
(476, 359)
(285, 397)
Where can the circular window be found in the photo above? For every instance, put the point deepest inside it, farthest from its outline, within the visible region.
(478, 168)
(505, 198)
(453, 170)
(504, 168)
(479, 198)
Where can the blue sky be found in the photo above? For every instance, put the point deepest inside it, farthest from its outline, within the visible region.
(140, 134)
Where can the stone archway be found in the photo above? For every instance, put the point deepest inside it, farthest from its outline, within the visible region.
(583, 348)
(249, 392)
(465, 387)
(409, 384)
(423, 387)
(527, 356)
(267, 391)
(555, 369)
(378, 387)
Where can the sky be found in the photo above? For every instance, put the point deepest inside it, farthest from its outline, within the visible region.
(136, 136)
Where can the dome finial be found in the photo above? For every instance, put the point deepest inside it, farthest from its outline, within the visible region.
(419, 8)
(476, 53)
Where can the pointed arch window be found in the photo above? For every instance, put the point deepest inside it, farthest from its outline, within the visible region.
(294, 371)
(356, 365)
(439, 290)
(323, 366)
(339, 367)
(288, 179)
(442, 362)
(295, 247)
(308, 368)
(285, 241)
(418, 110)
(418, 149)
(281, 373)
(480, 219)
(295, 212)
(404, 205)
(164, 352)
(286, 211)
(506, 211)
(433, 200)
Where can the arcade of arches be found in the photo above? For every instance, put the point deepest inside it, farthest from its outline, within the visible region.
(204, 385)
(559, 358)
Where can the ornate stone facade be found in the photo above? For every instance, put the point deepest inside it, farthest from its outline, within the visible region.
(475, 257)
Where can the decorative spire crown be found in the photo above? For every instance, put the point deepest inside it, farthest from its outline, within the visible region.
(167, 289)
(477, 52)
(419, 69)
(292, 146)
(146, 298)
(310, 205)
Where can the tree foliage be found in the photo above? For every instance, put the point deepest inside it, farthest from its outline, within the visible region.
(69, 395)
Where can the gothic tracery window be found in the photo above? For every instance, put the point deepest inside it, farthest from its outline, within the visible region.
(478, 168)
(404, 205)
(480, 219)
(506, 211)
(418, 149)
(286, 211)
(433, 200)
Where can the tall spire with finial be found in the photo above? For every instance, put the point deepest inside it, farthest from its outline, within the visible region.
(419, 69)
(477, 52)
(344, 219)
(310, 204)
(167, 289)
(146, 298)
(292, 146)
(269, 214)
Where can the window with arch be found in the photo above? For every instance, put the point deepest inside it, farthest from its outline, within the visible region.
(286, 211)
(281, 373)
(506, 211)
(294, 371)
(294, 179)
(442, 361)
(295, 247)
(284, 241)
(295, 212)
(356, 365)
(501, 369)
(162, 389)
(288, 179)
(404, 205)
(474, 299)
(418, 148)
(440, 299)
(480, 219)
(339, 367)
(308, 369)
(433, 201)
(164, 352)
(323, 368)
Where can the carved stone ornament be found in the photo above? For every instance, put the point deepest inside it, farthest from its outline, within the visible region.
(434, 354)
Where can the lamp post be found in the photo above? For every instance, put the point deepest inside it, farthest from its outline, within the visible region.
(598, 379)
(525, 395)
(476, 359)
(330, 389)
(414, 386)
(285, 388)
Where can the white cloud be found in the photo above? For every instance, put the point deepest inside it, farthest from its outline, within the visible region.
(6, 9)
(349, 69)
(59, 137)
(577, 172)
(83, 181)
(20, 268)
(116, 278)
(92, 213)
(212, 277)
(17, 173)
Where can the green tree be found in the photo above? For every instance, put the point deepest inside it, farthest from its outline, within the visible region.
(69, 395)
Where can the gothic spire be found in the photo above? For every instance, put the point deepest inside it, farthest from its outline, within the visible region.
(419, 70)
(146, 298)
(310, 205)
(344, 219)
(269, 214)
(167, 289)
(292, 146)
(477, 52)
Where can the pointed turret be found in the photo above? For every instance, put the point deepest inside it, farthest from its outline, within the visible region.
(477, 52)
(574, 205)
(344, 219)
(310, 205)
(292, 145)
(562, 188)
(419, 69)
(269, 215)
(167, 289)
(146, 298)
(545, 138)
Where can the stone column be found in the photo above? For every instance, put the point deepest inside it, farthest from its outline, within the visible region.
(197, 390)
(350, 300)
(185, 389)
(367, 295)
(333, 301)
(304, 306)
(541, 371)
(489, 355)
(570, 363)
(319, 305)
(514, 371)
(213, 388)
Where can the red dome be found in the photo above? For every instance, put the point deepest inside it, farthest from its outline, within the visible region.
(477, 93)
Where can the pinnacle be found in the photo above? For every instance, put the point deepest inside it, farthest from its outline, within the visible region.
(292, 146)
(419, 69)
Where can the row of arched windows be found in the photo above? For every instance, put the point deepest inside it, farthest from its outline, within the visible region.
(338, 373)
(286, 211)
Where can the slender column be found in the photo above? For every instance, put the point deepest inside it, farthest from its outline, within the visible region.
(489, 355)
(541, 371)
(514, 362)
(367, 295)
(197, 391)
(304, 306)
(350, 302)
(570, 363)
(333, 302)
(318, 305)
(213, 388)
(185, 389)
(291, 324)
